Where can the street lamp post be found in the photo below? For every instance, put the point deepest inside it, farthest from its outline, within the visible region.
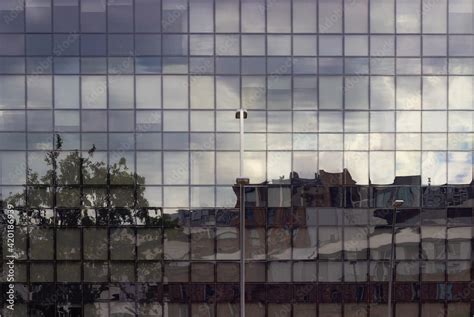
(241, 115)
(396, 204)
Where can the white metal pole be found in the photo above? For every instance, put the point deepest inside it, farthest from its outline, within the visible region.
(391, 264)
(242, 142)
(242, 216)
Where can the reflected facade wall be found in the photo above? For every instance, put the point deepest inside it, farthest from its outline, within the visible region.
(118, 113)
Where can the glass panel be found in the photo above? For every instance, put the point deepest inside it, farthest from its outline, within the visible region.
(12, 92)
(382, 16)
(408, 16)
(120, 16)
(461, 16)
(175, 92)
(278, 17)
(147, 15)
(304, 16)
(121, 92)
(330, 245)
(252, 15)
(356, 16)
(38, 15)
(330, 16)
(227, 16)
(40, 91)
(382, 92)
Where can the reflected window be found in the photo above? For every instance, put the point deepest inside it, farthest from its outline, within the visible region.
(305, 243)
(279, 271)
(355, 243)
(176, 244)
(330, 272)
(459, 243)
(330, 243)
(355, 271)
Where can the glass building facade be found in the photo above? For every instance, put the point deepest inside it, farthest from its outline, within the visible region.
(119, 152)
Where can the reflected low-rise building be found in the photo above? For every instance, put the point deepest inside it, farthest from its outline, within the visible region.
(119, 150)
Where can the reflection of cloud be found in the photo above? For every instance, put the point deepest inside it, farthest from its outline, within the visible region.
(460, 92)
(433, 166)
(382, 167)
(255, 167)
(459, 168)
(407, 163)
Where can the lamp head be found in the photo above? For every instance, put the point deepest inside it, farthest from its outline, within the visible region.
(237, 114)
(398, 203)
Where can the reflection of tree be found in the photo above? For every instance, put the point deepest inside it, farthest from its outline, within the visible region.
(71, 178)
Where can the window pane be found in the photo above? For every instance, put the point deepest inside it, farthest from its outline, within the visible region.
(13, 168)
(121, 92)
(433, 168)
(38, 15)
(408, 16)
(148, 92)
(278, 17)
(434, 92)
(330, 92)
(66, 16)
(176, 244)
(382, 16)
(93, 15)
(227, 16)
(120, 16)
(330, 16)
(460, 92)
(147, 15)
(201, 16)
(94, 92)
(356, 92)
(175, 94)
(461, 16)
(382, 167)
(459, 167)
(40, 91)
(304, 16)
(253, 16)
(175, 16)
(201, 92)
(434, 16)
(149, 167)
(176, 169)
(356, 16)
(202, 168)
(12, 92)
(382, 92)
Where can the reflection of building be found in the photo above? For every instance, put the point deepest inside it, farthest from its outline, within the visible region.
(119, 148)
